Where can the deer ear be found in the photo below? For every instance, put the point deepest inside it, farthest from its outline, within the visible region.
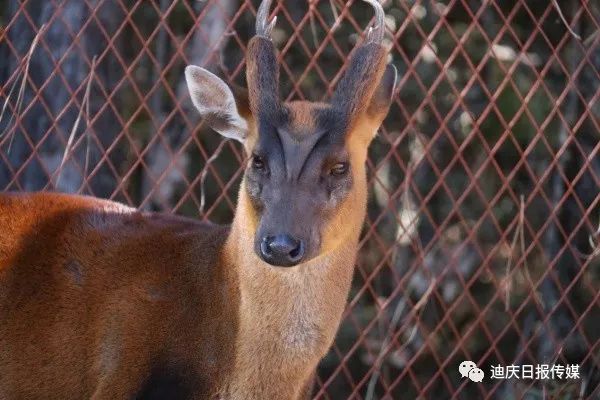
(381, 100)
(225, 112)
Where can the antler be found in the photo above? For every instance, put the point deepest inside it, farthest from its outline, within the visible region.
(264, 28)
(376, 33)
(262, 72)
(366, 68)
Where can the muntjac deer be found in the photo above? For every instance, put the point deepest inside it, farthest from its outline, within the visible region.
(100, 301)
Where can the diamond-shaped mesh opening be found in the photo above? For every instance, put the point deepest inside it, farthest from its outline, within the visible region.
(481, 239)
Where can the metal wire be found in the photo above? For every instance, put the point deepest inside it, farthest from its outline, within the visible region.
(493, 136)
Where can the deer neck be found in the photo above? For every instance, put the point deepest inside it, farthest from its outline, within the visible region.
(288, 317)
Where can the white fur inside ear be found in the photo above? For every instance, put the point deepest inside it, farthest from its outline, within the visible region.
(215, 101)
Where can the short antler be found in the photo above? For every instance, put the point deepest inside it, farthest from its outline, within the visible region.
(366, 69)
(263, 27)
(376, 33)
(262, 72)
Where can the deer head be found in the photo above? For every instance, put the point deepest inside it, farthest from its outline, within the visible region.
(305, 177)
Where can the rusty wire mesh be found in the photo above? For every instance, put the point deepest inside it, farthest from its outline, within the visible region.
(481, 241)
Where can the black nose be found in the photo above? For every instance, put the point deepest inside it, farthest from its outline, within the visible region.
(282, 250)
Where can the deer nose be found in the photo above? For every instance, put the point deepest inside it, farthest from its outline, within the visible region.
(281, 250)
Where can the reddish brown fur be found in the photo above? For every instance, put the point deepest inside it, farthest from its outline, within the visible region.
(94, 295)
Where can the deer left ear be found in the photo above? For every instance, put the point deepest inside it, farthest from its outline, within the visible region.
(382, 97)
(226, 111)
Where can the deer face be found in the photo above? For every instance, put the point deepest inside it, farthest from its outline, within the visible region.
(305, 172)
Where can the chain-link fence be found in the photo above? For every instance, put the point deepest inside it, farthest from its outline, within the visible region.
(483, 229)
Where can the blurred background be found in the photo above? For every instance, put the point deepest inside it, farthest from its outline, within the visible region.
(482, 240)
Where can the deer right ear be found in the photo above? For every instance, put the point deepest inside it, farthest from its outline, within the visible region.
(225, 112)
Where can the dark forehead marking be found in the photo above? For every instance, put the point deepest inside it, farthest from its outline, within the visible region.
(300, 130)
(296, 150)
(315, 126)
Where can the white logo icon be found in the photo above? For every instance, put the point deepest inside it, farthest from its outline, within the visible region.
(468, 369)
(476, 375)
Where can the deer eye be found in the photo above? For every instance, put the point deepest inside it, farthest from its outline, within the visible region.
(339, 169)
(258, 162)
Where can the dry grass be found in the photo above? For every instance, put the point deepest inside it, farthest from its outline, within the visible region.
(518, 240)
(205, 172)
(19, 102)
(84, 106)
(564, 20)
(594, 240)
